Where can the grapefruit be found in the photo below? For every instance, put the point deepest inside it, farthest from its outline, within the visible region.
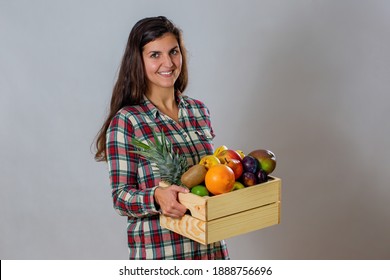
(219, 179)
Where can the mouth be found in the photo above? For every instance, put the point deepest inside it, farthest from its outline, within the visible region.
(165, 73)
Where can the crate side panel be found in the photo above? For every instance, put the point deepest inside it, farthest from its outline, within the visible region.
(244, 199)
(187, 226)
(243, 222)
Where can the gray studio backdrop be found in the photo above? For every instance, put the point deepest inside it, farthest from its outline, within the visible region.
(309, 80)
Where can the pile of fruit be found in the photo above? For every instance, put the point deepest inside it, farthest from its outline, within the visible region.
(224, 171)
(228, 170)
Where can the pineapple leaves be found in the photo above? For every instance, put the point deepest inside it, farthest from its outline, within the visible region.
(170, 164)
(139, 144)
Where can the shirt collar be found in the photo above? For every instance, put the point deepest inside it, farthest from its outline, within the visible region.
(182, 101)
(150, 108)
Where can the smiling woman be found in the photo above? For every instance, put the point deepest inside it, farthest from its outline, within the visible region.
(162, 62)
(147, 97)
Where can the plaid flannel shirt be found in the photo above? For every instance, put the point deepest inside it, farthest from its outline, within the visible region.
(134, 180)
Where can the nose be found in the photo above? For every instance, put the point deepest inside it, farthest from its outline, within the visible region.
(167, 62)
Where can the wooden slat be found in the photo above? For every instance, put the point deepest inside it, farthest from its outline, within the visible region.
(211, 208)
(187, 226)
(243, 222)
(244, 199)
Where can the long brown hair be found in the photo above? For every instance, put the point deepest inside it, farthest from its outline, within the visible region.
(130, 86)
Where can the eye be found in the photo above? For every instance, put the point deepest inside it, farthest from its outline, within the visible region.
(175, 52)
(154, 54)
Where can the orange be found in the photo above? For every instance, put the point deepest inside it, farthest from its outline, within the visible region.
(219, 179)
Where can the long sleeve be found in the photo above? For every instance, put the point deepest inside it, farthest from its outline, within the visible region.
(128, 198)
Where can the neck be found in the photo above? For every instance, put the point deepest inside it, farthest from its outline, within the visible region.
(165, 102)
(162, 97)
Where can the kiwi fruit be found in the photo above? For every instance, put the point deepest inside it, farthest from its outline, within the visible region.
(194, 176)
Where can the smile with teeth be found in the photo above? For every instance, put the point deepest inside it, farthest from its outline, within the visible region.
(165, 73)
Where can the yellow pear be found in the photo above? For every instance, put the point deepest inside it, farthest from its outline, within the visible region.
(209, 161)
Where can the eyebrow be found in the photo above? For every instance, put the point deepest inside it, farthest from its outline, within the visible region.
(176, 47)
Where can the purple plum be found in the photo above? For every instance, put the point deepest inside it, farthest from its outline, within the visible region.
(262, 176)
(250, 164)
(248, 179)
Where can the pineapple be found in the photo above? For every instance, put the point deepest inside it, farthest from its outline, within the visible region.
(170, 165)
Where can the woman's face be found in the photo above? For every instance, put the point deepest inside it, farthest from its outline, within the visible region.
(162, 62)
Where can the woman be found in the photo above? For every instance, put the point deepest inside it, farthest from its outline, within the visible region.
(148, 96)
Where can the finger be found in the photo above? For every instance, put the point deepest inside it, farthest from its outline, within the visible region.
(179, 189)
(174, 214)
(177, 210)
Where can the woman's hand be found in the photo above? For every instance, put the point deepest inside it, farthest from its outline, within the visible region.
(166, 197)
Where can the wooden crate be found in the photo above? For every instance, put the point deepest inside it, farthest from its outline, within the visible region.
(226, 215)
